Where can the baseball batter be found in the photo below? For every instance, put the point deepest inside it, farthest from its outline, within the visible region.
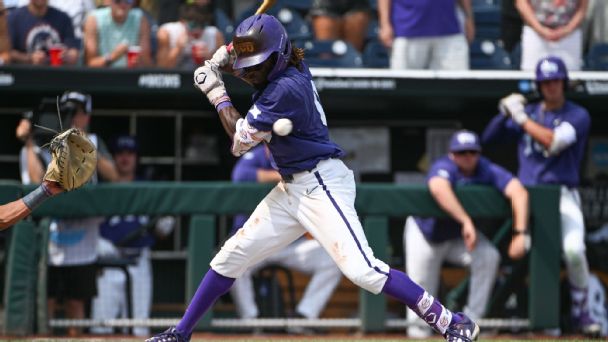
(317, 193)
(551, 135)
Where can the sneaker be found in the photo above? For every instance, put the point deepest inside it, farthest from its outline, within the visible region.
(588, 326)
(170, 335)
(464, 331)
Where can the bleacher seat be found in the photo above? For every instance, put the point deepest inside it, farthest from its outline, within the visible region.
(487, 54)
(487, 22)
(296, 26)
(330, 54)
(597, 58)
(375, 55)
(224, 24)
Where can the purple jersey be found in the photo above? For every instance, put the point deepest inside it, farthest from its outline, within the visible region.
(424, 18)
(246, 169)
(486, 173)
(293, 95)
(536, 166)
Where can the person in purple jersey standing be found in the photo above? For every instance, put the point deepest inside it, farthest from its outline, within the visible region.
(428, 242)
(317, 191)
(305, 255)
(426, 34)
(551, 135)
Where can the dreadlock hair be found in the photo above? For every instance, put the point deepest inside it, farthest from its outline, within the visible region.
(297, 55)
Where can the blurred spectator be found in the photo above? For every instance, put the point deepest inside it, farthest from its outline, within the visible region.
(596, 24)
(552, 28)
(76, 9)
(428, 242)
(427, 34)
(72, 249)
(38, 32)
(168, 10)
(304, 255)
(551, 136)
(510, 25)
(190, 41)
(341, 19)
(117, 36)
(127, 237)
(5, 43)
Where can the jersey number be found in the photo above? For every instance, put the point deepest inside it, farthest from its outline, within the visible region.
(531, 146)
(318, 104)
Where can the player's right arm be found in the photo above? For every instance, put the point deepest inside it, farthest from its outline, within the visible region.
(35, 169)
(442, 192)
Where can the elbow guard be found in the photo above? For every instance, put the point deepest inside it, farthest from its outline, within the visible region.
(564, 135)
(246, 137)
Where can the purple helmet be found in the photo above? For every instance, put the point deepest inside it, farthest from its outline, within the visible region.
(551, 68)
(256, 38)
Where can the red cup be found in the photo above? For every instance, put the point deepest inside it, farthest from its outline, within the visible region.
(133, 56)
(55, 53)
(197, 52)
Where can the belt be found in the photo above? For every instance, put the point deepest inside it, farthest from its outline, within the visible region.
(287, 178)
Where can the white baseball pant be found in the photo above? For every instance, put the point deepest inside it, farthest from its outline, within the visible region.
(111, 302)
(436, 53)
(573, 237)
(424, 261)
(303, 255)
(320, 201)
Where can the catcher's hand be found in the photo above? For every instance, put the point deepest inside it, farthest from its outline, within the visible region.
(513, 106)
(208, 79)
(74, 159)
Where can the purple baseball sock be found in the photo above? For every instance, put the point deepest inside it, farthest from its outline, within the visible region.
(401, 287)
(211, 288)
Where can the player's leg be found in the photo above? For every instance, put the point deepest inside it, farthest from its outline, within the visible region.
(327, 211)
(411, 53)
(269, 229)
(423, 264)
(109, 299)
(573, 245)
(483, 263)
(141, 290)
(450, 53)
(307, 256)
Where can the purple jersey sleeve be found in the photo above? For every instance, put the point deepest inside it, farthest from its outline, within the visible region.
(246, 168)
(274, 103)
(500, 177)
(501, 130)
(444, 168)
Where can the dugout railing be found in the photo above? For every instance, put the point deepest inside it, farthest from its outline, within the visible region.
(24, 295)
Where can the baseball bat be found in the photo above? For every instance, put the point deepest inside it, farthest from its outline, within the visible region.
(266, 4)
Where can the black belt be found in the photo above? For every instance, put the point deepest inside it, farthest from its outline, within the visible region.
(287, 178)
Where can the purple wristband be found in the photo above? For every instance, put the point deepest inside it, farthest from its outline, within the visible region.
(223, 105)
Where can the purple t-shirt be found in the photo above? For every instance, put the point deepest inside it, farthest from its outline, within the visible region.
(424, 18)
(293, 95)
(536, 166)
(486, 173)
(246, 170)
(30, 33)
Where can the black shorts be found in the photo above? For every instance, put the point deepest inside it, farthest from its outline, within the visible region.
(72, 282)
(338, 8)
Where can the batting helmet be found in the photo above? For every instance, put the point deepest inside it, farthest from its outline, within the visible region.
(257, 38)
(551, 68)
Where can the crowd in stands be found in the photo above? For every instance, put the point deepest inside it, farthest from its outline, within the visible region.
(442, 34)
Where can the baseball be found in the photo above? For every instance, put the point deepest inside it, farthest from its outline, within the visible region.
(282, 126)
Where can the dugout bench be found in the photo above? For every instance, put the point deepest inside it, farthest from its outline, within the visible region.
(204, 200)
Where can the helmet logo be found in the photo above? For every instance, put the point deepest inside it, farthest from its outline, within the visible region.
(548, 67)
(244, 47)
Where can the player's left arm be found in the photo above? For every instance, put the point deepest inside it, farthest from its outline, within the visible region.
(15, 211)
(520, 242)
(105, 163)
(562, 136)
(469, 22)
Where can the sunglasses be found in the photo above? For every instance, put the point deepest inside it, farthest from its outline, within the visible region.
(462, 153)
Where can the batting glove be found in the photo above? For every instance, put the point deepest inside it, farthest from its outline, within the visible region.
(221, 57)
(513, 106)
(208, 79)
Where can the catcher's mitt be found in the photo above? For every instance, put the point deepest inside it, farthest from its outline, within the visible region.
(74, 159)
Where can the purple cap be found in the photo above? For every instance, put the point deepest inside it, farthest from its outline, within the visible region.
(551, 68)
(125, 143)
(465, 140)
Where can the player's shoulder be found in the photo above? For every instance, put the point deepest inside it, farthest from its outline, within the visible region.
(444, 164)
(573, 108)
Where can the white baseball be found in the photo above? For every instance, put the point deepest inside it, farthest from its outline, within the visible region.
(282, 126)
